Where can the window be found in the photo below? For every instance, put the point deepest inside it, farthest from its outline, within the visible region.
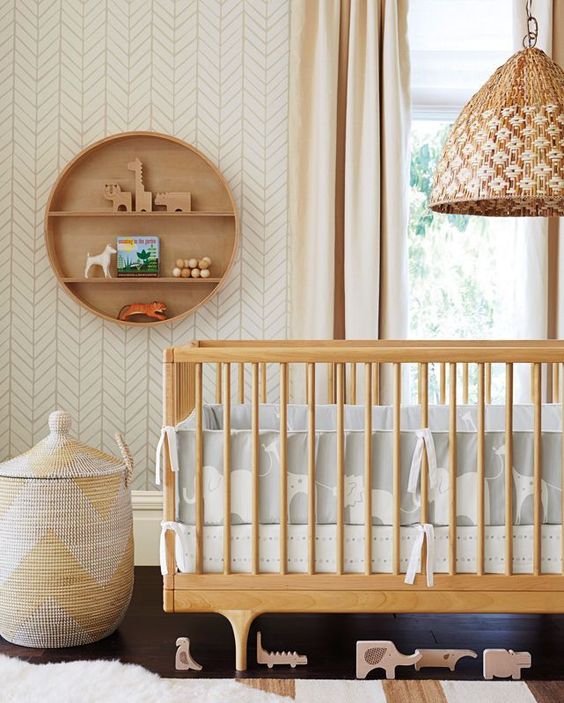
(459, 266)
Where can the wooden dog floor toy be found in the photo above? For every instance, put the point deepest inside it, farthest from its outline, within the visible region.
(381, 654)
(448, 658)
(504, 663)
(184, 660)
(271, 658)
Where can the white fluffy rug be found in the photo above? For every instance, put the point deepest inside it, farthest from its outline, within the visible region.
(112, 682)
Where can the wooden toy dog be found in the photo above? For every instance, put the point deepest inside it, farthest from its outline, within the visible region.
(504, 663)
(102, 260)
(381, 654)
(442, 657)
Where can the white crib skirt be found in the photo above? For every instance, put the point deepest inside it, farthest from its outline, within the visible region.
(325, 549)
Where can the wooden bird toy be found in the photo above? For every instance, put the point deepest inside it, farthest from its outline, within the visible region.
(121, 199)
(504, 663)
(381, 654)
(174, 202)
(155, 310)
(271, 658)
(442, 658)
(143, 198)
(184, 659)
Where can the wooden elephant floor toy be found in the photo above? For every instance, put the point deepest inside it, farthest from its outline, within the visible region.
(381, 654)
(447, 658)
(504, 663)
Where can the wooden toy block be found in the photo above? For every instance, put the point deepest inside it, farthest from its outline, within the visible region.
(272, 658)
(121, 199)
(504, 663)
(102, 260)
(154, 309)
(381, 654)
(143, 198)
(184, 659)
(442, 657)
(175, 202)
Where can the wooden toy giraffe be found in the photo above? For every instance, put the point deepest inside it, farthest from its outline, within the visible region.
(143, 198)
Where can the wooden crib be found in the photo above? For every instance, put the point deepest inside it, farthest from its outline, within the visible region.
(345, 367)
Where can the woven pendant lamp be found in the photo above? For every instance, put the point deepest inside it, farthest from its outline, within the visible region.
(505, 153)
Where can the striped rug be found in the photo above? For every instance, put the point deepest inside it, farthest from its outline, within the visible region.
(402, 691)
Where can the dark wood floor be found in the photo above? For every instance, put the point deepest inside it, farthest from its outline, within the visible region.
(147, 637)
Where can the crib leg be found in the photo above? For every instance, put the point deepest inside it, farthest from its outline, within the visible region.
(240, 622)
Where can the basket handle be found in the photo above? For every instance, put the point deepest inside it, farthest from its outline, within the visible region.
(127, 458)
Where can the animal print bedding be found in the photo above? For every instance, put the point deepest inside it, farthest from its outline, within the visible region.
(414, 442)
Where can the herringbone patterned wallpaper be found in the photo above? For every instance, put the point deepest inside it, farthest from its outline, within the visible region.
(212, 72)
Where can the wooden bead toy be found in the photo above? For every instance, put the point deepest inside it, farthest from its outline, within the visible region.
(207, 258)
(203, 264)
(381, 654)
(185, 263)
(205, 273)
(195, 273)
(184, 660)
(192, 263)
(180, 264)
(504, 663)
(176, 272)
(271, 658)
(185, 273)
(442, 658)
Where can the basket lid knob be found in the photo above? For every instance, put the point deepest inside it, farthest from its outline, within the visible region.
(59, 422)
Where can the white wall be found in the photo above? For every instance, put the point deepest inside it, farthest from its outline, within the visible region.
(214, 73)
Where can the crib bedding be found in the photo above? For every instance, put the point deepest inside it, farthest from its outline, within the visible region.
(413, 442)
(382, 541)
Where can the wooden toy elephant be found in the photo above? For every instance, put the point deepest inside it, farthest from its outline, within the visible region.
(504, 663)
(381, 654)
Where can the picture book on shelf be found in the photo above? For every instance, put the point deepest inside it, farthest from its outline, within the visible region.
(137, 255)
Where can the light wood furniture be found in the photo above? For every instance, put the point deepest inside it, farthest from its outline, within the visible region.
(241, 597)
(80, 218)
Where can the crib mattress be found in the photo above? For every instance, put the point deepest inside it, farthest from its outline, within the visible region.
(382, 541)
(411, 441)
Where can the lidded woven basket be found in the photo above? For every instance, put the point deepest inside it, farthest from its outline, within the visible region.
(66, 536)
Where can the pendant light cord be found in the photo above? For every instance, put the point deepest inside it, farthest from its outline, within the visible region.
(530, 39)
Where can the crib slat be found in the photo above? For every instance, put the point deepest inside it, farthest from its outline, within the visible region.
(218, 383)
(353, 383)
(227, 468)
(480, 472)
(340, 371)
(376, 384)
(263, 393)
(555, 383)
(199, 470)
(396, 484)
(283, 468)
(330, 383)
(442, 383)
(453, 459)
(311, 467)
(465, 383)
(255, 466)
(508, 469)
(367, 469)
(241, 383)
(424, 403)
(488, 383)
(537, 470)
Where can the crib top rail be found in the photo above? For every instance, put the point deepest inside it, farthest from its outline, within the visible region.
(368, 351)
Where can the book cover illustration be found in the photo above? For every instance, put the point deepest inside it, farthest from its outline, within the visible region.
(138, 255)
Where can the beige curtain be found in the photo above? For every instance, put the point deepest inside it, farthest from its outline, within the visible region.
(349, 168)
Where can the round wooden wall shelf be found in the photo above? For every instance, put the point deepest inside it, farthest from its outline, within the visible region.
(80, 221)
